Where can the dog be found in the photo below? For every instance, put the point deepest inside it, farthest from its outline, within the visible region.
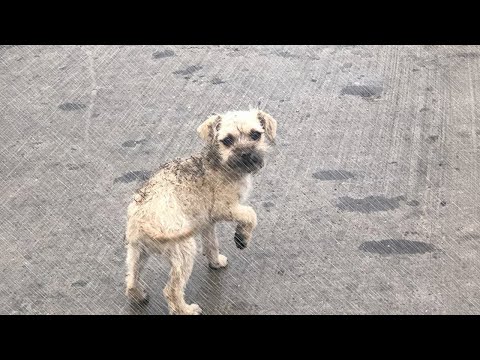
(187, 197)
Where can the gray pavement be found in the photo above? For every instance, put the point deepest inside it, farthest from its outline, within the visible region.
(369, 203)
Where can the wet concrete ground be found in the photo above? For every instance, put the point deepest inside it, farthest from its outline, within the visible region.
(368, 204)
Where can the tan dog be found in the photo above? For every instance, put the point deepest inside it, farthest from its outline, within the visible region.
(187, 197)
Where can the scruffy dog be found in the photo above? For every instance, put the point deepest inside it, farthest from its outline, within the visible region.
(187, 197)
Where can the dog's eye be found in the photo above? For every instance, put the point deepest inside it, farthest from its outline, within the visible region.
(228, 141)
(255, 135)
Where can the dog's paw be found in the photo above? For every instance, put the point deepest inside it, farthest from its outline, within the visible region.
(220, 263)
(240, 240)
(137, 295)
(192, 309)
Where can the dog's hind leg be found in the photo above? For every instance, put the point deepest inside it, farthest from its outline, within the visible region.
(210, 248)
(181, 257)
(137, 257)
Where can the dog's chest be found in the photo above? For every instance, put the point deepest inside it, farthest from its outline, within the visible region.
(245, 186)
(227, 193)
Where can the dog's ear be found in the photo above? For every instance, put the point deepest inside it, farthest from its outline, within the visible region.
(269, 124)
(207, 130)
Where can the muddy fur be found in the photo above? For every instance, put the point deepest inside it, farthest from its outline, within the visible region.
(185, 198)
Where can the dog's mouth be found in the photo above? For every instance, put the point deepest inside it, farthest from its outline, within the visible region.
(246, 162)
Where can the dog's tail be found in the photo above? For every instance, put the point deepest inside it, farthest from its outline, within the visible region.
(157, 235)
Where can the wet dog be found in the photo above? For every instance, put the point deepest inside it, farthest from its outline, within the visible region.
(186, 198)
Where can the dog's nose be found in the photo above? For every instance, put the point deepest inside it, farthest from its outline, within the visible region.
(254, 158)
(245, 155)
(249, 158)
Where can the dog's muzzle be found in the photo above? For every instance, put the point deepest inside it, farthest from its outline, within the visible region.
(248, 161)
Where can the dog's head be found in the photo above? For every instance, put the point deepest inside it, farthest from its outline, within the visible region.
(237, 140)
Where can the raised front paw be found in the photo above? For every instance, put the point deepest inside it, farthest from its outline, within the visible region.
(240, 240)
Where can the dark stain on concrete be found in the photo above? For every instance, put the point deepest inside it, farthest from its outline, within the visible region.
(80, 283)
(216, 81)
(189, 70)
(286, 54)
(268, 204)
(351, 287)
(328, 175)
(163, 54)
(396, 247)
(432, 138)
(468, 55)
(141, 175)
(369, 204)
(365, 91)
(133, 143)
(413, 203)
(71, 106)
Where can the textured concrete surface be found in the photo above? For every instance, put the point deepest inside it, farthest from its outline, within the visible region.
(369, 203)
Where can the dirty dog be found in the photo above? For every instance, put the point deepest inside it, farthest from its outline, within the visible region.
(186, 198)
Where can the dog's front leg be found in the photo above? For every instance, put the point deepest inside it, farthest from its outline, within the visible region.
(210, 248)
(246, 219)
